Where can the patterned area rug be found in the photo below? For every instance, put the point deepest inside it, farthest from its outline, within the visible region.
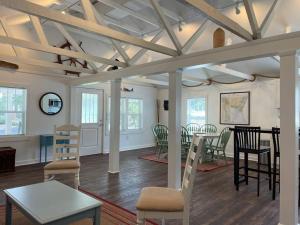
(111, 214)
(205, 167)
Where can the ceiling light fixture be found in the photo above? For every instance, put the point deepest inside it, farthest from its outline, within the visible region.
(63, 12)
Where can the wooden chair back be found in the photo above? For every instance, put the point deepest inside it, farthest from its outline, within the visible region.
(66, 142)
(208, 128)
(275, 136)
(247, 138)
(160, 133)
(191, 166)
(193, 128)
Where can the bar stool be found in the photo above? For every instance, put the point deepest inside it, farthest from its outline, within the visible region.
(247, 141)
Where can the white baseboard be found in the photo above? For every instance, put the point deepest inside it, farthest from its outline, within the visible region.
(132, 148)
(250, 157)
(27, 162)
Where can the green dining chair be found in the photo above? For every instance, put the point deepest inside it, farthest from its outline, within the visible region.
(160, 133)
(221, 144)
(185, 141)
(193, 127)
(208, 128)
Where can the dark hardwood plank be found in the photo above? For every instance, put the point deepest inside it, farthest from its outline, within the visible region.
(214, 199)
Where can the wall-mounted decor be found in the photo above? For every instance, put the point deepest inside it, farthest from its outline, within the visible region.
(71, 61)
(235, 108)
(51, 103)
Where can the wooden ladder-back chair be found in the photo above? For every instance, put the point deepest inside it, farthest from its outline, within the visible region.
(167, 203)
(66, 144)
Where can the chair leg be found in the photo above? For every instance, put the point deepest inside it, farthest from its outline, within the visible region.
(163, 221)
(139, 219)
(224, 155)
(269, 170)
(186, 215)
(46, 177)
(246, 168)
(258, 174)
(274, 177)
(237, 171)
(76, 181)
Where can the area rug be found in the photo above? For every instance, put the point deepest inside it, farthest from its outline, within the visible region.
(205, 167)
(111, 214)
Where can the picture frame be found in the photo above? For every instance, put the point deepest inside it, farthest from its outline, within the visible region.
(235, 108)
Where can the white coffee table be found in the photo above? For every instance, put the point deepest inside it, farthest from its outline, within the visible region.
(51, 203)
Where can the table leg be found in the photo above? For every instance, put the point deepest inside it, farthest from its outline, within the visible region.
(46, 150)
(97, 216)
(8, 213)
(41, 147)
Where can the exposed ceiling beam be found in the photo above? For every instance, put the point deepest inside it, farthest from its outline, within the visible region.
(167, 12)
(143, 51)
(43, 12)
(116, 44)
(45, 64)
(8, 33)
(260, 48)
(39, 30)
(266, 22)
(131, 12)
(252, 18)
(88, 10)
(150, 81)
(71, 40)
(167, 26)
(218, 18)
(55, 50)
(188, 45)
(223, 69)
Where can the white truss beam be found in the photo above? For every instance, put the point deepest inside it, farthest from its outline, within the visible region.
(39, 30)
(188, 45)
(150, 81)
(252, 18)
(143, 51)
(131, 12)
(266, 23)
(8, 33)
(43, 12)
(218, 18)
(167, 26)
(88, 10)
(55, 50)
(45, 64)
(223, 69)
(260, 48)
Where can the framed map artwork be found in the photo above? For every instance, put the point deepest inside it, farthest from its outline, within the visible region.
(235, 108)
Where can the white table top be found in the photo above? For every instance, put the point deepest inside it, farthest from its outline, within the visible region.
(208, 135)
(50, 201)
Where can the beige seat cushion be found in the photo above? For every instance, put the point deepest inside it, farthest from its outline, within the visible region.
(160, 199)
(62, 164)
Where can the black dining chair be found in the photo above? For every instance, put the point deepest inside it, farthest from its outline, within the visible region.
(247, 141)
(275, 137)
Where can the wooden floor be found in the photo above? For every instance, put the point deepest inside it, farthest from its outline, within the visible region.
(214, 200)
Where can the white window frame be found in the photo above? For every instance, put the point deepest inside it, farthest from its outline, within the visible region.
(17, 86)
(126, 130)
(186, 107)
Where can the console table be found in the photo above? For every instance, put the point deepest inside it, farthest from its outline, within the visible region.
(51, 203)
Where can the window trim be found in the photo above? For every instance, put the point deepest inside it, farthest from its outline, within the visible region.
(25, 131)
(124, 131)
(186, 108)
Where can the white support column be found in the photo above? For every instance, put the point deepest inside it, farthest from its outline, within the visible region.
(174, 135)
(114, 137)
(289, 125)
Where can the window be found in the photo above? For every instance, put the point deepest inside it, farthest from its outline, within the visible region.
(12, 111)
(89, 108)
(196, 110)
(131, 113)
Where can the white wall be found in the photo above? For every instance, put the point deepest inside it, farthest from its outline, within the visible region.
(136, 139)
(264, 101)
(27, 147)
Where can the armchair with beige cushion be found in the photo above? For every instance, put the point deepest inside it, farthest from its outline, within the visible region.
(167, 203)
(66, 144)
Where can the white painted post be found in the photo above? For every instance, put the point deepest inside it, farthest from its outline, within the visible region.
(114, 137)
(289, 125)
(174, 135)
